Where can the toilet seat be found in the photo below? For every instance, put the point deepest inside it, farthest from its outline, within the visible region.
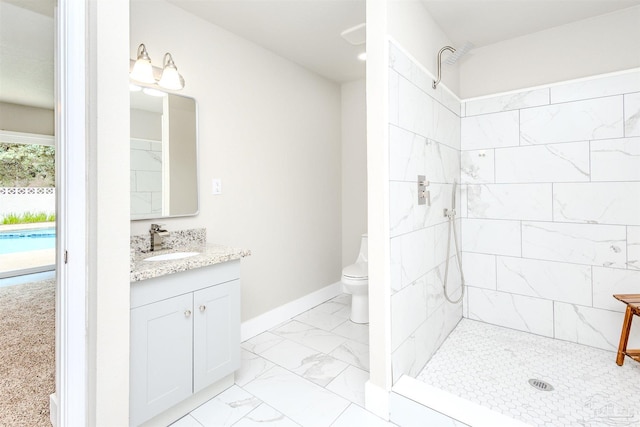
(357, 271)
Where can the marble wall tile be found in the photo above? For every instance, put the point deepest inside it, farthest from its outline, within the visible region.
(514, 101)
(145, 160)
(615, 159)
(413, 255)
(405, 214)
(591, 326)
(479, 270)
(523, 313)
(156, 145)
(140, 144)
(596, 88)
(148, 181)
(442, 163)
(441, 236)
(498, 237)
(589, 244)
(415, 109)
(407, 155)
(632, 114)
(408, 311)
(633, 247)
(477, 166)
(574, 121)
(435, 285)
(510, 201)
(597, 203)
(421, 114)
(610, 281)
(565, 162)
(400, 62)
(140, 202)
(556, 281)
(394, 93)
(490, 131)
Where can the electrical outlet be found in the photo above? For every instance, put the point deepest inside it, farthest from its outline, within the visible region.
(216, 186)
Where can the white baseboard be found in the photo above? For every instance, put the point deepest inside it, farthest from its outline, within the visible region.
(53, 409)
(268, 320)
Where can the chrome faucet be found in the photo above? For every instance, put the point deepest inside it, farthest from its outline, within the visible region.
(158, 234)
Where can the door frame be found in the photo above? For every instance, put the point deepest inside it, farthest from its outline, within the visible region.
(69, 403)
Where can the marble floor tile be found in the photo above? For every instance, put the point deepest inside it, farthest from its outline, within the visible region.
(353, 353)
(320, 318)
(261, 342)
(251, 367)
(355, 416)
(354, 331)
(306, 362)
(298, 399)
(350, 384)
(186, 421)
(308, 335)
(226, 408)
(264, 415)
(340, 308)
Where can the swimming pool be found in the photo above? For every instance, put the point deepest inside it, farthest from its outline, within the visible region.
(27, 240)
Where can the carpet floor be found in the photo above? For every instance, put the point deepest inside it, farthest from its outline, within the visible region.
(27, 353)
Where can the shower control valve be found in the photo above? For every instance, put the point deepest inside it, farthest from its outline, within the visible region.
(424, 196)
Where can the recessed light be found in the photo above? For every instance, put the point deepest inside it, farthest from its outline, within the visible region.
(362, 56)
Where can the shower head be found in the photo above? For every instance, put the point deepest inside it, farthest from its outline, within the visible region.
(456, 54)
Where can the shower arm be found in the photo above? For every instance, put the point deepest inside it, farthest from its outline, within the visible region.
(452, 50)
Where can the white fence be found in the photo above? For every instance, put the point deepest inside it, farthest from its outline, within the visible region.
(18, 200)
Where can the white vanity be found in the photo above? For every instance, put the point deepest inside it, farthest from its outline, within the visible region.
(185, 331)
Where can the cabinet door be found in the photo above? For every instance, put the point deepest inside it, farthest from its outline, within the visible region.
(161, 356)
(216, 333)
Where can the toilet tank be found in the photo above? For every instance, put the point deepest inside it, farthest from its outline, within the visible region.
(363, 256)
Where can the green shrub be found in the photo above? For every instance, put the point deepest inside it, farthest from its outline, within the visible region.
(28, 218)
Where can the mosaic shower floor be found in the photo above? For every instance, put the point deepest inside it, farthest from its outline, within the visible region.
(491, 366)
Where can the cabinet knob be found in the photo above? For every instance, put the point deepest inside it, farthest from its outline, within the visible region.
(187, 313)
(203, 307)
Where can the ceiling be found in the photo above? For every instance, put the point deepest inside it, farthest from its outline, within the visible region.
(483, 22)
(304, 31)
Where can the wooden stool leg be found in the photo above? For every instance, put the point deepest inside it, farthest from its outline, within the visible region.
(624, 336)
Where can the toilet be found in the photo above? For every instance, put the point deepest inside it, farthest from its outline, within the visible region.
(355, 281)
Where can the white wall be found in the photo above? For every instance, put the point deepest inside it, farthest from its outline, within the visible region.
(108, 214)
(270, 130)
(411, 25)
(592, 46)
(354, 168)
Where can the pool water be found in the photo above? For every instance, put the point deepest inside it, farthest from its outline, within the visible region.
(27, 240)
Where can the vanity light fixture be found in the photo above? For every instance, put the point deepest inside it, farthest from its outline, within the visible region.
(142, 69)
(166, 78)
(170, 79)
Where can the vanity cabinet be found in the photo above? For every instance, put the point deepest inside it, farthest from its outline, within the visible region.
(185, 336)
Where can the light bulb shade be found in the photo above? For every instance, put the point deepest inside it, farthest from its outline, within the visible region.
(142, 69)
(170, 79)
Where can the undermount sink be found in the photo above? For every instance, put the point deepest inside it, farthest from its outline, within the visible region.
(172, 256)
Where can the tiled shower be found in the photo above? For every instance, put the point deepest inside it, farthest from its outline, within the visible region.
(548, 209)
(552, 222)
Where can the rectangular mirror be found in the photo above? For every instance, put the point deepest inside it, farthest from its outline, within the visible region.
(164, 155)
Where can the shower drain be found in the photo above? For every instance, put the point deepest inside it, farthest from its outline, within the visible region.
(540, 385)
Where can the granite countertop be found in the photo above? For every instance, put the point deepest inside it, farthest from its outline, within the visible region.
(209, 254)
